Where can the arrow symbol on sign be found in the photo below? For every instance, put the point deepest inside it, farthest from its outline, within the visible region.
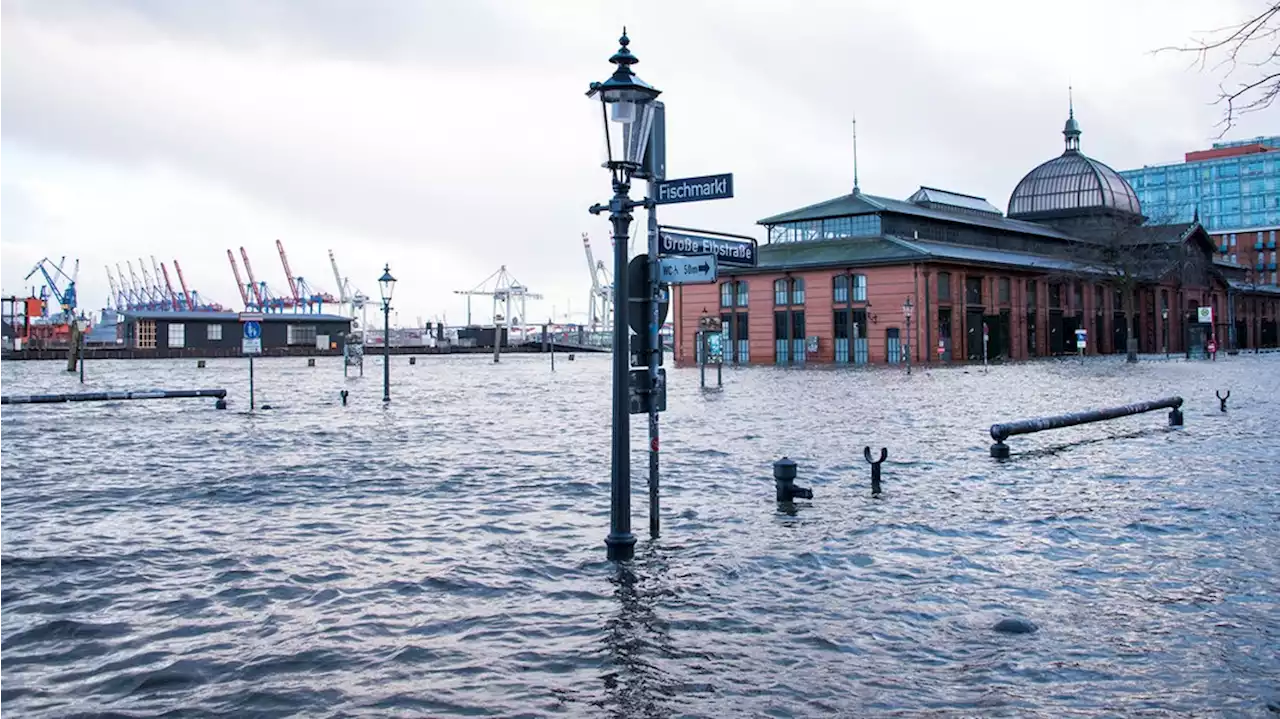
(704, 267)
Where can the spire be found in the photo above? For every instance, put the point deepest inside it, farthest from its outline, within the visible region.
(856, 190)
(1071, 131)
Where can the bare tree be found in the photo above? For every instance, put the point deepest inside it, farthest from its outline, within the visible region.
(1252, 47)
(1124, 256)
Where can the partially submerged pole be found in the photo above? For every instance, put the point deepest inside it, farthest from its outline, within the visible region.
(1001, 432)
(113, 396)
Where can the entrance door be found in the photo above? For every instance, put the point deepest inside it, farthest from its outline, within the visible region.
(1056, 343)
(893, 345)
(861, 347)
(944, 333)
(1069, 327)
(1197, 338)
(973, 335)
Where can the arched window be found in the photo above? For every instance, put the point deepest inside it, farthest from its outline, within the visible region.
(797, 291)
(840, 288)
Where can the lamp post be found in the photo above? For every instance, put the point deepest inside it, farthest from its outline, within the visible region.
(907, 307)
(627, 110)
(82, 324)
(386, 285)
(1164, 315)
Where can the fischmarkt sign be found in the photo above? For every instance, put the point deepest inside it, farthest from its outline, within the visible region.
(1204, 315)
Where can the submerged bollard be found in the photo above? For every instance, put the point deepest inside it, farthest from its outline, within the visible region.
(1222, 401)
(1001, 432)
(784, 477)
(220, 404)
(311, 361)
(875, 468)
(413, 360)
(199, 364)
(343, 395)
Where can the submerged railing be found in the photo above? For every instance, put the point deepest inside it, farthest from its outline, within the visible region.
(1001, 432)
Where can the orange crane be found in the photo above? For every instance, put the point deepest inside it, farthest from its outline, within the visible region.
(288, 274)
(248, 268)
(244, 293)
(173, 297)
(183, 283)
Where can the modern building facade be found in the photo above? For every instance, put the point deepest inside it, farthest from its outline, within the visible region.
(1072, 253)
(1234, 189)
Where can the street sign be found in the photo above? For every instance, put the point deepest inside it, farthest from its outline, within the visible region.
(638, 390)
(1082, 338)
(251, 343)
(691, 270)
(638, 297)
(693, 189)
(727, 251)
(1204, 314)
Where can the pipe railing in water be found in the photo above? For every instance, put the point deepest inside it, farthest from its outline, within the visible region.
(1001, 432)
(219, 394)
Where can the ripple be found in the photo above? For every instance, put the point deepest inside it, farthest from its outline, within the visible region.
(443, 555)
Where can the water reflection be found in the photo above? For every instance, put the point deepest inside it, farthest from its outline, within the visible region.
(637, 641)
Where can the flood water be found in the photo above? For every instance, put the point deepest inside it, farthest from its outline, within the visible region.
(444, 555)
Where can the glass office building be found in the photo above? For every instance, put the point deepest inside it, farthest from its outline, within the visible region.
(1234, 187)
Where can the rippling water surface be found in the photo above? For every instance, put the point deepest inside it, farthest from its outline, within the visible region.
(444, 555)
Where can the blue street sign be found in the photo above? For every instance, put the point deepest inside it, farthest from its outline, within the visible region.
(727, 251)
(693, 189)
(252, 330)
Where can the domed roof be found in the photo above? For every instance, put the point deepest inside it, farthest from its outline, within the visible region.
(1072, 184)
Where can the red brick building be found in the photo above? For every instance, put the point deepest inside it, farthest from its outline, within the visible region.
(1071, 253)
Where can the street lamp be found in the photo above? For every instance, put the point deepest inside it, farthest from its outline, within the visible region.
(386, 285)
(82, 324)
(627, 110)
(907, 307)
(1164, 314)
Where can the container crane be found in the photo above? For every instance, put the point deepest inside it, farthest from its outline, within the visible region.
(173, 296)
(288, 274)
(182, 282)
(257, 291)
(600, 304)
(53, 275)
(118, 299)
(240, 285)
(505, 289)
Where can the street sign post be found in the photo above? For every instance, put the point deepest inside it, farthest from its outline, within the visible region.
(639, 389)
(690, 270)
(251, 344)
(728, 250)
(694, 189)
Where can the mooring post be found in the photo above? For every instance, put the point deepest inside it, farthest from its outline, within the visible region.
(251, 403)
(311, 361)
(199, 364)
(1222, 401)
(413, 360)
(1175, 416)
(784, 478)
(875, 468)
(343, 395)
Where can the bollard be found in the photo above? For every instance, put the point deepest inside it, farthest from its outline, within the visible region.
(570, 356)
(199, 364)
(875, 468)
(343, 395)
(1222, 401)
(1175, 417)
(220, 404)
(784, 477)
(311, 361)
(413, 360)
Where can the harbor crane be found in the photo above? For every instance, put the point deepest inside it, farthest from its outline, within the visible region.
(600, 304)
(53, 277)
(182, 282)
(304, 295)
(506, 289)
(353, 300)
(240, 285)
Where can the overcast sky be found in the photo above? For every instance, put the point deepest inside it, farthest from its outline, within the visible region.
(450, 137)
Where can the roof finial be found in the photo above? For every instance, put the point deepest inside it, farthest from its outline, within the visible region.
(1071, 131)
(856, 190)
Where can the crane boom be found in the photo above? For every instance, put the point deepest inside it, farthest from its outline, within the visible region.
(182, 282)
(115, 291)
(288, 274)
(344, 294)
(173, 296)
(248, 268)
(591, 263)
(244, 293)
